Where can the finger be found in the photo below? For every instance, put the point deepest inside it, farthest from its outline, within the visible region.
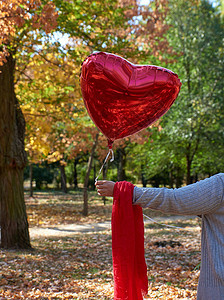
(101, 189)
(99, 183)
(102, 186)
(100, 193)
(102, 182)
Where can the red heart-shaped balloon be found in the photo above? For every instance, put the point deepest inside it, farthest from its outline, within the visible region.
(123, 98)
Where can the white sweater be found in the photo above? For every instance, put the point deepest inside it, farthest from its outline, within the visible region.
(206, 198)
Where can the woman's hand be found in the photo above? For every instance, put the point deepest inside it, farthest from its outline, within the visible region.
(105, 188)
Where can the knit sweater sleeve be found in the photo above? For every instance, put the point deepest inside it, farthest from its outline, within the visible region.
(199, 198)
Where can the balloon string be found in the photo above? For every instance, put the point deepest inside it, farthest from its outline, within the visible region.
(112, 159)
(171, 226)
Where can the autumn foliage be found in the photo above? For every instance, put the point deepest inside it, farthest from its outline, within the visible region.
(21, 14)
(48, 84)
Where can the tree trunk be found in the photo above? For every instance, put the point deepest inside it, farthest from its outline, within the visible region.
(14, 224)
(63, 178)
(171, 179)
(178, 180)
(189, 161)
(189, 158)
(86, 182)
(31, 180)
(196, 177)
(94, 178)
(144, 180)
(75, 181)
(105, 169)
(121, 164)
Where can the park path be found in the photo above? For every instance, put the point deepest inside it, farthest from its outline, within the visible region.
(72, 229)
(68, 229)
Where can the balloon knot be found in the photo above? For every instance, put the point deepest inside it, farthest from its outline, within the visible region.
(110, 144)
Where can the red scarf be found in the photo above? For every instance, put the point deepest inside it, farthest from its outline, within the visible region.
(130, 270)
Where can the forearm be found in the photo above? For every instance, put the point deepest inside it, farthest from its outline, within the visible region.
(200, 198)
